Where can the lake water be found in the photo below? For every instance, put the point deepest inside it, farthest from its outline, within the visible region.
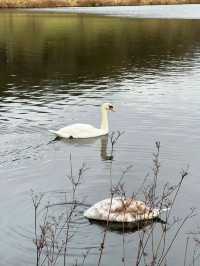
(57, 69)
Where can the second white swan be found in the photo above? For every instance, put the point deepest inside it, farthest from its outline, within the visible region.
(81, 131)
(122, 210)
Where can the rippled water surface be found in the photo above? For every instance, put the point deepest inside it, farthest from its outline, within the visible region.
(57, 69)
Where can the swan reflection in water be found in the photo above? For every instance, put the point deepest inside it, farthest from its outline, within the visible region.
(126, 227)
(105, 156)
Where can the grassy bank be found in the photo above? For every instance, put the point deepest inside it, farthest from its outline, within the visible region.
(81, 3)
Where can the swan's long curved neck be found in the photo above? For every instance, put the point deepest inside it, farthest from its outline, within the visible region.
(104, 120)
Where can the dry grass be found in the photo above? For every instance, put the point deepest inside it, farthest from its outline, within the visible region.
(71, 3)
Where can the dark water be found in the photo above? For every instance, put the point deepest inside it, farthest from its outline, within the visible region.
(56, 69)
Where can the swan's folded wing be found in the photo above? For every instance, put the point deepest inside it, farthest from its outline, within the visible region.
(128, 210)
(79, 131)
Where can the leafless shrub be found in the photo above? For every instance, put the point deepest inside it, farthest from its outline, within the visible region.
(53, 234)
(151, 251)
(192, 245)
(114, 137)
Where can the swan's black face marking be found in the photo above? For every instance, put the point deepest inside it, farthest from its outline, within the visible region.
(110, 107)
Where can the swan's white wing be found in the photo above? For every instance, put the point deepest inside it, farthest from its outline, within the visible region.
(104, 211)
(79, 131)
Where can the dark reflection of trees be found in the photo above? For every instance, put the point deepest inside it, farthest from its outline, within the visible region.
(39, 47)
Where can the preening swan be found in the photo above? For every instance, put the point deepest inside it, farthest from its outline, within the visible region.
(121, 210)
(87, 131)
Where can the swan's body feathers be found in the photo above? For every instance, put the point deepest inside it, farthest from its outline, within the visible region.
(79, 131)
(121, 210)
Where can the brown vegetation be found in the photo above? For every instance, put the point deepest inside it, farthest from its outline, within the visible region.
(54, 229)
(76, 3)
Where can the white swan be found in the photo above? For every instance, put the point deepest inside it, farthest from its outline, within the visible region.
(84, 130)
(121, 210)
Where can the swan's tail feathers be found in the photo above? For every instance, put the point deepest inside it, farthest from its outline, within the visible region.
(158, 212)
(165, 209)
(53, 131)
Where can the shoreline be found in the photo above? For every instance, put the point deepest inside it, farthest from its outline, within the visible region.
(88, 3)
